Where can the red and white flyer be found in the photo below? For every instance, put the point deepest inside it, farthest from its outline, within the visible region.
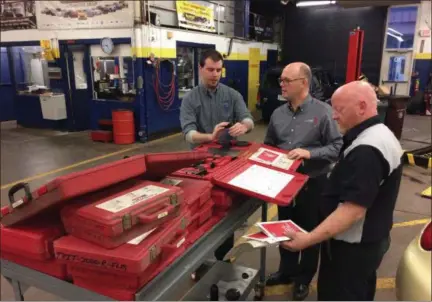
(272, 158)
(276, 229)
(261, 237)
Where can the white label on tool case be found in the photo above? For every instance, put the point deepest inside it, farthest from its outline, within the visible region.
(162, 215)
(137, 240)
(272, 158)
(17, 203)
(132, 198)
(262, 180)
(179, 244)
(171, 181)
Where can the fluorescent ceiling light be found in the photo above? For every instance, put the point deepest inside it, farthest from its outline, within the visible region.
(314, 3)
(394, 36)
(395, 31)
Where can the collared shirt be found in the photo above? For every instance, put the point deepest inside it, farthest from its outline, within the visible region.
(202, 109)
(310, 127)
(368, 174)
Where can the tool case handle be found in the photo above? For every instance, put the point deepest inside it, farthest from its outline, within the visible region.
(15, 189)
(165, 211)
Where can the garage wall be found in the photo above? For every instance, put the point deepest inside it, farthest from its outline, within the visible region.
(319, 37)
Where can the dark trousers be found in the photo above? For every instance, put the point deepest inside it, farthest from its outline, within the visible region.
(224, 248)
(348, 271)
(305, 212)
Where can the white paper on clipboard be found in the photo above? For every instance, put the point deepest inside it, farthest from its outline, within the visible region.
(262, 180)
(272, 158)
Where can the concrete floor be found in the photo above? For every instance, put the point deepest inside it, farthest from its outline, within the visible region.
(37, 156)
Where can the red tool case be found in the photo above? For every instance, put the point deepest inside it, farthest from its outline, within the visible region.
(105, 136)
(261, 182)
(196, 192)
(111, 220)
(223, 199)
(203, 229)
(200, 217)
(160, 165)
(204, 169)
(133, 257)
(32, 239)
(70, 186)
(119, 280)
(50, 267)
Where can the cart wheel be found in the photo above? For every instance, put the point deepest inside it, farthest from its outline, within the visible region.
(259, 291)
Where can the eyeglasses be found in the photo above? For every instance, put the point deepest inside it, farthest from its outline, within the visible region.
(287, 81)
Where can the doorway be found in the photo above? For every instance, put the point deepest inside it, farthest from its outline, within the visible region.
(76, 72)
(188, 57)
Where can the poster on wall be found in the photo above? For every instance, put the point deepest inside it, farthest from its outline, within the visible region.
(15, 15)
(195, 16)
(84, 14)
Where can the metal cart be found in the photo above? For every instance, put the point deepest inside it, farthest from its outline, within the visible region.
(161, 287)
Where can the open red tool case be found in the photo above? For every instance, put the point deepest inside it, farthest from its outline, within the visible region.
(204, 169)
(270, 185)
(119, 280)
(133, 257)
(69, 186)
(162, 164)
(196, 192)
(110, 220)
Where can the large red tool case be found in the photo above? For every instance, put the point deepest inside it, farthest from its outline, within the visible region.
(110, 220)
(196, 192)
(160, 165)
(119, 280)
(253, 180)
(32, 239)
(50, 267)
(203, 229)
(30, 244)
(70, 186)
(201, 216)
(133, 257)
(204, 169)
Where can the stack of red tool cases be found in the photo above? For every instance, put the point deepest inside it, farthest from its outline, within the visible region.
(114, 227)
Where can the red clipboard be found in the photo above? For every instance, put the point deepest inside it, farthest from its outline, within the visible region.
(262, 182)
(269, 156)
(69, 186)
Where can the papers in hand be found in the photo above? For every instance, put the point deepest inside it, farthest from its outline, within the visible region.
(272, 158)
(273, 232)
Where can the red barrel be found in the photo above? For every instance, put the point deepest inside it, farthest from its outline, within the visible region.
(123, 127)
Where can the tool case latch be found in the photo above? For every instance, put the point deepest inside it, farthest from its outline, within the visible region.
(127, 221)
(173, 199)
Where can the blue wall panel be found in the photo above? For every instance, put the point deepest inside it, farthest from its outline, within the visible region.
(160, 118)
(29, 114)
(7, 91)
(237, 76)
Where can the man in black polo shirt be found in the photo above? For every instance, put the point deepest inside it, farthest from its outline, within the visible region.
(358, 202)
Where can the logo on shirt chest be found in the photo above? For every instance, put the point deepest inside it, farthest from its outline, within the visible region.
(313, 121)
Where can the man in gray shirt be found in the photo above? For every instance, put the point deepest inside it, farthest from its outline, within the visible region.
(305, 127)
(210, 107)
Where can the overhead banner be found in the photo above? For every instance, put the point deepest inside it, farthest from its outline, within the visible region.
(195, 16)
(84, 14)
(16, 15)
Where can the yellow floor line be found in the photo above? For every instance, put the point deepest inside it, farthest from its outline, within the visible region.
(282, 290)
(411, 223)
(28, 179)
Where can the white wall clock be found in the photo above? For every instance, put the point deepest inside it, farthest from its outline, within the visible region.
(107, 45)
